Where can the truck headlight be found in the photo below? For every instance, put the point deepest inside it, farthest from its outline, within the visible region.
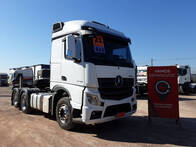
(93, 99)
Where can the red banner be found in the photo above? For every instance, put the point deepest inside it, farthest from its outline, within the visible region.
(163, 92)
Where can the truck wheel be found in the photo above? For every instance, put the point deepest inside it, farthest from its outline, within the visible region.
(14, 98)
(24, 103)
(64, 114)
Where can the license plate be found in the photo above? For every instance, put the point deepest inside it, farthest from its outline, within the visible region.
(121, 114)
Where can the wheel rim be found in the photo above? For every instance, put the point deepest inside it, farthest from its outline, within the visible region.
(23, 103)
(64, 114)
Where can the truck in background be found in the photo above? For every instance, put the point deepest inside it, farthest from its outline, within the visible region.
(185, 84)
(141, 84)
(92, 76)
(30, 76)
(4, 79)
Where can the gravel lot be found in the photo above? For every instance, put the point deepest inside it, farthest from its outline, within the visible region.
(18, 129)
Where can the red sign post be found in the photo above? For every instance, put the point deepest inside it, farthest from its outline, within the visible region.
(163, 92)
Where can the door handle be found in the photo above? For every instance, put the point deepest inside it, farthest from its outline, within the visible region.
(64, 78)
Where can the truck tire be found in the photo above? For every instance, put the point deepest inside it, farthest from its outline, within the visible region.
(15, 97)
(64, 114)
(25, 103)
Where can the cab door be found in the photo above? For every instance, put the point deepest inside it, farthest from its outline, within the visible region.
(72, 70)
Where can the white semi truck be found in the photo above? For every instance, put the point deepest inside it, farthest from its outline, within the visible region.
(92, 76)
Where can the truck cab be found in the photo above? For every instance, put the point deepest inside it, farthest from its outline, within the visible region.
(93, 64)
(184, 74)
(92, 75)
(184, 79)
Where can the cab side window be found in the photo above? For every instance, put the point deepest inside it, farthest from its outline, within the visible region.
(68, 53)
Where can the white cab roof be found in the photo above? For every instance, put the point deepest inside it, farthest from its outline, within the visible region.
(76, 25)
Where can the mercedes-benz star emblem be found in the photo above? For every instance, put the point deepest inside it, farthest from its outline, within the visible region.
(118, 81)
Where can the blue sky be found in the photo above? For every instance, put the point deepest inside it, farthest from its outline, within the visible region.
(164, 30)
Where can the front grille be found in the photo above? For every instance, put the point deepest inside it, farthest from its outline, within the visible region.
(115, 109)
(109, 90)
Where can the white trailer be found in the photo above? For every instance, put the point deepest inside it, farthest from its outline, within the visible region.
(92, 76)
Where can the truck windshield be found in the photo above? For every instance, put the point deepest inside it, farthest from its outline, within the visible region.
(104, 50)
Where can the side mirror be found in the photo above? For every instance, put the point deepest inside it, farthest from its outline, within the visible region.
(71, 48)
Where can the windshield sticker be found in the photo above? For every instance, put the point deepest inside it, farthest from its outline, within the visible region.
(98, 45)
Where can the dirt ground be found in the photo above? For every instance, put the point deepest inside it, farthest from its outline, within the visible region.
(18, 129)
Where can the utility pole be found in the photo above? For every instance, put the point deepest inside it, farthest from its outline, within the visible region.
(152, 61)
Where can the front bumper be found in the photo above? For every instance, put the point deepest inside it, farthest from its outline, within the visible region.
(110, 110)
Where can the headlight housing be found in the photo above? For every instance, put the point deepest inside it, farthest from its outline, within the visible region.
(93, 100)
